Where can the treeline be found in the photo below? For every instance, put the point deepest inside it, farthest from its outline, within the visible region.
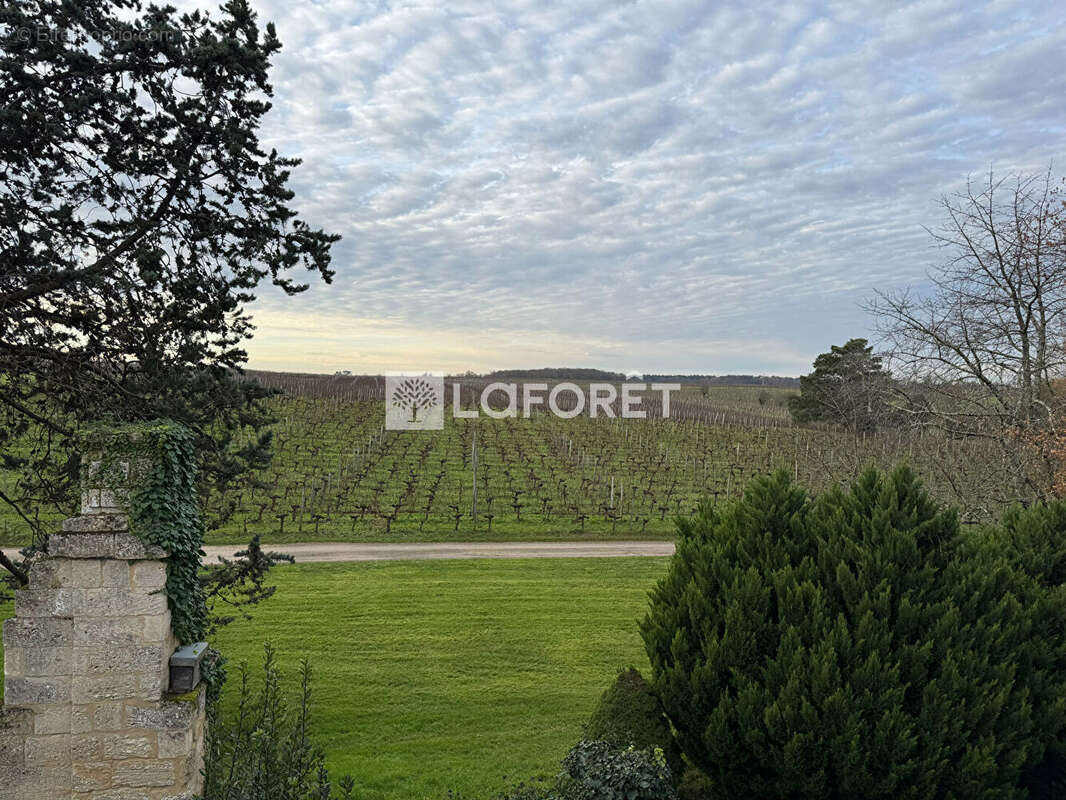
(590, 374)
(583, 374)
(556, 373)
(773, 381)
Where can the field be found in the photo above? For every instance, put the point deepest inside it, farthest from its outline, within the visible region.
(338, 475)
(443, 675)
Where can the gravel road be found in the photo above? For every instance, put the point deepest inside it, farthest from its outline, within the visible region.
(428, 551)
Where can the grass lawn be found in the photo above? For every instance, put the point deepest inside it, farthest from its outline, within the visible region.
(440, 675)
(443, 675)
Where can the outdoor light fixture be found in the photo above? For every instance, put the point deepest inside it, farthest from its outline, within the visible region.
(185, 667)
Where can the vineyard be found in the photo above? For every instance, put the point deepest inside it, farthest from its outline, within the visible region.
(338, 474)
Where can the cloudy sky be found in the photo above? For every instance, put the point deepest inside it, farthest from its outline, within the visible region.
(691, 187)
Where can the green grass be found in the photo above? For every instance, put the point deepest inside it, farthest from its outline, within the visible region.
(440, 675)
(443, 675)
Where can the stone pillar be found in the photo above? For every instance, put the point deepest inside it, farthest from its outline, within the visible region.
(86, 714)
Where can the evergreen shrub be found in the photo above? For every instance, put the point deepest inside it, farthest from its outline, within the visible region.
(857, 644)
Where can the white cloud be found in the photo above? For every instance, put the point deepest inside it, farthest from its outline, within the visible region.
(689, 184)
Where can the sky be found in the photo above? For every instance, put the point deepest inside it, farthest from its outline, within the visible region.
(704, 187)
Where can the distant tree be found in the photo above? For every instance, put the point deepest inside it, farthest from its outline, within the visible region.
(979, 354)
(846, 387)
(138, 213)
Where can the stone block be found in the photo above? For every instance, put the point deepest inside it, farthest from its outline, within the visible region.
(81, 719)
(193, 768)
(98, 631)
(108, 716)
(52, 751)
(102, 688)
(153, 686)
(14, 665)
(38, 602)
(105, 500)
(82, 545)
(15, 724)
(114, 602)
(20, 782)
(168, 715)
(37, 783)
(90, 501)
(15, 721)
(50, 573)
(86, 747)
(149, 574)
(85, 572)
(91, 777)
(143, 772)
(40, 662)
(125, 745)
(37, 691)
(116, 572)
(49, 720)
(38, 632)
(97, 523)
(156, 627)
(131, 548)
(176, 744)
(108, 659)
(12, 746)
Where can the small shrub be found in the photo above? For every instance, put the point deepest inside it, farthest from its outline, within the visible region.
(629, 714)
(597, 770)
(263, 749)
(601, 771)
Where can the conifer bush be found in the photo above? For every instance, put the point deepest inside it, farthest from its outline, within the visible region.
(1034, 541)
(629, 714)
(855, 644)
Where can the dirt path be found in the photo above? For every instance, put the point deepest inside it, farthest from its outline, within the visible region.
(427, 551)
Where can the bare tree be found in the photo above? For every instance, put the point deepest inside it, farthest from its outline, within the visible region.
(977, 354)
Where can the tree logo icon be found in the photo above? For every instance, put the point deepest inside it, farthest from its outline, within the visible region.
(414, 402)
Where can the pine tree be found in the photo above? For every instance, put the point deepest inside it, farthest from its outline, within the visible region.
(846, 388)
(138, 214)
